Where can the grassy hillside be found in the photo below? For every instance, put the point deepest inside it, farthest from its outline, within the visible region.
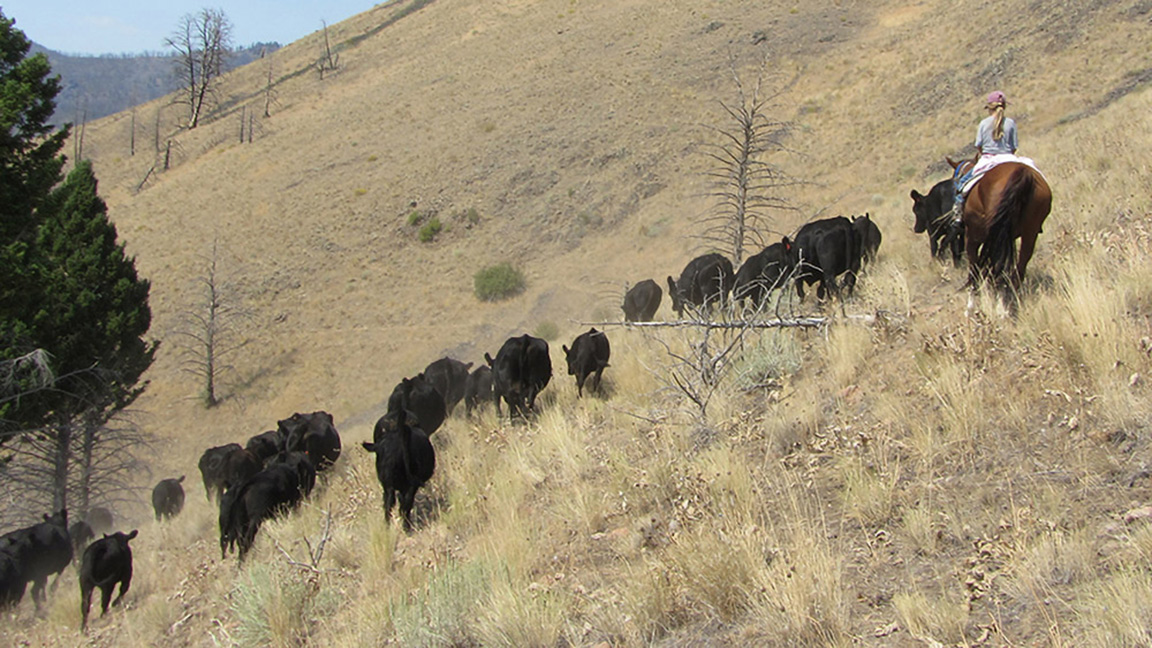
(939, 476)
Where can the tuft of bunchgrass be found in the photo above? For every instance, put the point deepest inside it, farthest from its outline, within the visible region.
(932, 620)
(1116, 611)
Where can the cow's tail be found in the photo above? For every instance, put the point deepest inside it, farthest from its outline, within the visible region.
(998, 254)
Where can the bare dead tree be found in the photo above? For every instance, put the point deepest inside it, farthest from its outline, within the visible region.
(109, 463)
(212, 332)
(746, 185)
(327, 62)
(202, 43)
(82, 120)
(33, 370)
(77, 462)
(269, 92)
(156, 132)
(86, 453)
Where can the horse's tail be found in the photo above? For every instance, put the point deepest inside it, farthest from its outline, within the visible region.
(998, 254)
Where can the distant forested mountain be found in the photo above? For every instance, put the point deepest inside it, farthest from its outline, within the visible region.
(97, 86)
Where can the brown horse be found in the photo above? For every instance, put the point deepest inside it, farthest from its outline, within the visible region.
(1009, 202)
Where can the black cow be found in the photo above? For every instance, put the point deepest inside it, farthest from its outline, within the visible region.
(302, 464)
(520, 371)
(168, 498)
(313, 434)
(932, 216)
(478, 389)
(448, 377)
(13, 582)
(589, 355)
(827, 249)
(239, 466)
(405, 461)
(81, 534)
(106, 563)
(869, 236)
(268, 494)
(39, 551)
(213, 468)
(642, 301)
(100, 519)
(418, 396)
(706, 280)
(763, 272)
(267, 444)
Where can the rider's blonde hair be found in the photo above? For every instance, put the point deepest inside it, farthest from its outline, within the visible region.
(997, 109)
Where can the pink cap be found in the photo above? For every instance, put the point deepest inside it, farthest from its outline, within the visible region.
(997, 97)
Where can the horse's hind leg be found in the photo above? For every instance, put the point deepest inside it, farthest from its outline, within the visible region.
(975, 273)
(1027, 247)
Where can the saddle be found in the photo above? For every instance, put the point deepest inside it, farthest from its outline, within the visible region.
(967, 173)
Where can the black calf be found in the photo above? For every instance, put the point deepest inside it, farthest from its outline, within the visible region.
(107, 562)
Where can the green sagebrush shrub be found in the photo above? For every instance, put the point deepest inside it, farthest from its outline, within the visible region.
(497, 282)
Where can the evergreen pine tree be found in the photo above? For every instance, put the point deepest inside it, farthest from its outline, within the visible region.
(94, 309)
(30, 165)
(68, 289)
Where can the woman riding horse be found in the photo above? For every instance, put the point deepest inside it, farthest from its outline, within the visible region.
(1009, 201)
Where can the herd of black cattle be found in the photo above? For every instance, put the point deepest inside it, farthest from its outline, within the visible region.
(275, 470)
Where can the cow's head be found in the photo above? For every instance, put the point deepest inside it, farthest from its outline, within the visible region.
(674, 293)
(59, 518)
(122, 538)
(790, 253)
(920, 210)
(570, 358)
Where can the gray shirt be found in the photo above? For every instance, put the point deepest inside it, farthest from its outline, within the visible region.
(989, 146)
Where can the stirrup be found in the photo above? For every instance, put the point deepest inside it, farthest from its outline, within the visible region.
(957, 215)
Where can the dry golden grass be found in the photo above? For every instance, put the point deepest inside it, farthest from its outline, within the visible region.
(937, 474)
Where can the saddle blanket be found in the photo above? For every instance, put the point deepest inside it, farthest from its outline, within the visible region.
(987, 162)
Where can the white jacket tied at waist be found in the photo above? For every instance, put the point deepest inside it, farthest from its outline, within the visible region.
(987, 162)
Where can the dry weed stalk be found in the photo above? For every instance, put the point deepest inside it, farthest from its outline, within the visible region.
(315, 554)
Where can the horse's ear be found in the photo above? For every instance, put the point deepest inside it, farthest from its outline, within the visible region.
(952, 163)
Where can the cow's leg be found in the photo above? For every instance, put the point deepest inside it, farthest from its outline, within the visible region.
(389, 502)
(580, 377)
(85, 603)
(38, 592)
(599, 375)
(407, 501)
(106, 597)
(248, 537)
(56, 580)
(124, 585)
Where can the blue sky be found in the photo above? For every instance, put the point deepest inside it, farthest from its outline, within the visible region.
(131, 26)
